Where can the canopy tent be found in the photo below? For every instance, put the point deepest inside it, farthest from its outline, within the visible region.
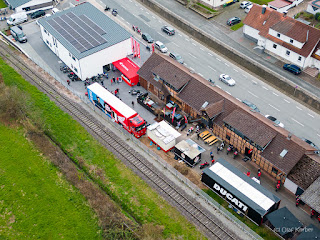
(309, 233)
(129, 70)
(284, 221)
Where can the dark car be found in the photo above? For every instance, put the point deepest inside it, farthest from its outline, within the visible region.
(147, 37)
(251, 105)
(176, 57)
(37, 14)
(168, 30)
(292, 68)
(317, 151)
(233, 21)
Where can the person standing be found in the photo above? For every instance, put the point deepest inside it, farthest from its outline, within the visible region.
(132, 103)
(68, 81)
(211, 155)
(259, 173)
(248, 173)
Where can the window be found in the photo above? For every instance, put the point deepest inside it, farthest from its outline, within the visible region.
(73, 58)
(228, 136)
(275, 46)
(288, 53)
(75, 69)
(278, 35)
(299, 58)
(274, 170)
(291, 40)
(45, 31)
(47, 42)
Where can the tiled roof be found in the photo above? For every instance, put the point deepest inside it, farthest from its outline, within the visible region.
(279, 3)
(250, 127)
(214, 109)
(293, 29)
(311, 195)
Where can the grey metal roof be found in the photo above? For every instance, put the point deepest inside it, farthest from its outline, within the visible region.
(311, 196)
(16, 3)
(115, 33)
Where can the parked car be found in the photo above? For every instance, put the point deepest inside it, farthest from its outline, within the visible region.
(276, 121)
(292, 68)
(147, 37)
(233, 21)
(176, 57)
(244, 4)
(313, 145)
(17, 34)
(227, 79)
(248, 8)
(37, 14)
(160, 46)
(168, 30)
(251, 105)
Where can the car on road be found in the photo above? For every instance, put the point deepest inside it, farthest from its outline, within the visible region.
(176, 57)
(227, 79)
(276, 121)
(160, 46)
(233, 21)
(147, 37)
(168, 30)
(292, 68)
(251, 105)
(37, 14)
(313, 145)
(244, 4)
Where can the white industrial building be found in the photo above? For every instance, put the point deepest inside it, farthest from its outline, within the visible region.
(85, 39)
(29, 6)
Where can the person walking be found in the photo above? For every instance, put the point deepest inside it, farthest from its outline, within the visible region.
(212, 161)
(68, 81)
(198, 136)
(117, 79)
(259, 173)
(102, 83)
(132, 103)
(111, 80)
(248, 173)
(211, 155)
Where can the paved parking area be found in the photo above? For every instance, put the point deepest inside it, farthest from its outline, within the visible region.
(233, 10)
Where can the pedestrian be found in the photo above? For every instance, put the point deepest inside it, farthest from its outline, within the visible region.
(212, 161)
(111, 80)
(117, 79)
(102, 83)
(115, 92)
(198, 136)
(248, 173)
(114, 79)
(211, 155)
(68, 81)
(107, 76)
(132, 103)
(259, 173)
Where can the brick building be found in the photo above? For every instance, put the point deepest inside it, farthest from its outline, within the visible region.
(274, 149)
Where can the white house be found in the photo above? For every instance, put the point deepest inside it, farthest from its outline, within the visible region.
(215, 3)
(85, 39)
(29, 5)
(283, 5)
(314, 7)
(285, 37)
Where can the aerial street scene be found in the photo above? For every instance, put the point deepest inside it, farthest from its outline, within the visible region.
(160, 119)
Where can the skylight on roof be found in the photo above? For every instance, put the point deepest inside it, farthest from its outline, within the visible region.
(283, 153)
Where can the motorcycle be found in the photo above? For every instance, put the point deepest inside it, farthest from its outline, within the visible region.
(278, 185)
(114, 12)
(148, 48)
(203, 165)
(235, 154)
(134, 92)
(229, 149)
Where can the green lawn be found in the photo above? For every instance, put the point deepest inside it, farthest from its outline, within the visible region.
(134, 196)
(261, 2)
(237, 26)
(2, 4)
(35, 201)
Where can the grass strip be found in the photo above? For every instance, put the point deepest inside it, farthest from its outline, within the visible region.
(237, 26)
(206, 7)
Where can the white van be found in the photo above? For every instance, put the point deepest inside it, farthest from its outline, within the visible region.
(54, 10)
(17, 18)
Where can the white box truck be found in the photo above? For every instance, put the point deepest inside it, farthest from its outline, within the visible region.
(17, 18)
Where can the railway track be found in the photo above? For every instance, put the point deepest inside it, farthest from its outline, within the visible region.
(204, 220)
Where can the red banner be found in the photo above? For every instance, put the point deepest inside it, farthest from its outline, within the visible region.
(173, 112)
(133, 45)
(152, 47)
(185, 120)
(137, 49)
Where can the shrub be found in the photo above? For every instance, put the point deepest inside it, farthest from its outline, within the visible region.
(317, 16)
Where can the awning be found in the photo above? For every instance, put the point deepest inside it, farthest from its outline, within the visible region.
(127, 67)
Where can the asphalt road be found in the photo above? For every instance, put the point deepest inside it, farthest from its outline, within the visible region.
(297, 118)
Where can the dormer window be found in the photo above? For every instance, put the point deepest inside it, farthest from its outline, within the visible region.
(291, 40)
(156, 77)
(278, 35)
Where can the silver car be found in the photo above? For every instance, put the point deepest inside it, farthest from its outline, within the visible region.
(227, 79)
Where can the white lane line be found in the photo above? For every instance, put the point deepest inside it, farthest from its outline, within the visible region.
(130, 1)
(192, 55)
(201, 49)
(159, 21)
(175, 44)
(244, 76)
(235, 70)
(147, 24)
(274, 107)
(218, 86)
(136, 4)
(318, 135)
(297, 122)
(191, 69)
(185, 64)
(187, 40)
(179, 34)
(194, 44)
(254, 81)
(286, 100)
(310, 115)
(275, 94)
(228, 92)
(141, 9)
(122, 18)
(227, 64)
(253, 94)
(147, 13)
(210, 54)
(298, 108)
(160, 33)
(200, 74)
(153, 17)
(218, 59)
(211, 68)
(265, 88)
(238, 99)
(128, 23)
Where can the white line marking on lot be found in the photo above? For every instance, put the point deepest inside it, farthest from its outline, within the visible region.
(175, 44)
(274, 107)
(286, 100)
(254, 81)
(153, 17)
(227, 64)
(238, 99)
(235, 70)
(147, 24)
(211, 68)
(192, 55)
(218, 86)
(275, 94)
(187, 40)
(200, 74)
(310, 115)
(218, 59)
(297, 122)
(210, 54)
(194, 44)
(265, 88)
(201, 49)
(298, 108)
(159, 33)
(228, 92)
(253, 94)
(191, 69)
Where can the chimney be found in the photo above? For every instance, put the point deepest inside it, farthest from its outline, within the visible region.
(264, 7)
(289, 136)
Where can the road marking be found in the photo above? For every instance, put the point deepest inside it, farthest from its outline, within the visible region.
(210, 54)
(175, 44)
(200, 74)
(194, 44)
(211, 68)
(187, 40)
(153, 17)
(227, 64)
(141, 9)
(159, 21)
(254, 81)
(275, 94)
(201, 49)
(128, 23)
(238, 99)
(228, 92)
(253, 94)
(185, 64)
(244, 76)
(179, 34)
(121, 18)
(218, 59)
(147, 24)
(298, 108)
(318, 135)
(286, 100)
(192, 55)
(274, 107)
(265, 88)
(191, 69)
(235, 70)
(136, 4)
(218, 86)
(310, 115)
(147, 13)
(297, 122)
